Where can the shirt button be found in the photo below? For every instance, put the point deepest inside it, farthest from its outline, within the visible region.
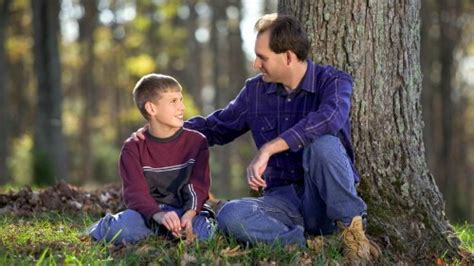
(263, 128)
(299, 146)
(292, 171)
(286, 118)
(289, 99)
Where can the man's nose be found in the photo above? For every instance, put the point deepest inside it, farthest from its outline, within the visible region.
(257, 64)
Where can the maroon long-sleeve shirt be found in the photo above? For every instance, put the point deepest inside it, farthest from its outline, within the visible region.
(173, 171)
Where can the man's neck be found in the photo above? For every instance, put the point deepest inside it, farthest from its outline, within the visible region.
(296, 75)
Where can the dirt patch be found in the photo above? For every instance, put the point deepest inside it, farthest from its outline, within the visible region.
(63, 197)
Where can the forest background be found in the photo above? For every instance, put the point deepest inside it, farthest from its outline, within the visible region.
(66, 76)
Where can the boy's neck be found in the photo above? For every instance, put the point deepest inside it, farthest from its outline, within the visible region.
(162, 132)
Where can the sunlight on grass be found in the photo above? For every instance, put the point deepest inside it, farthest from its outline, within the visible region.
(466, 234)
(57, 238)
(53, 238)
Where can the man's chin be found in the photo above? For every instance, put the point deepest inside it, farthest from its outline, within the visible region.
(266, 78)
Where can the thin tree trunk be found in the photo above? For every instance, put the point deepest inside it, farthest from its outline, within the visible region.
(88, 25)
(378, 42)
(49, 155)
(193, 81)
(450, 34)
(220, 81)
(429, 54)
(4, 110)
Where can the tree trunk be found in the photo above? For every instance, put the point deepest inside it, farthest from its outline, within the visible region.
(220, 81)
(4, 123)
(449, 166)
(87, 26)
(193, 80)
(429, 95)
(49, 150)
(378, 42)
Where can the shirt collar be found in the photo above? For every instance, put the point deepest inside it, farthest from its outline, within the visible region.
(307, 83)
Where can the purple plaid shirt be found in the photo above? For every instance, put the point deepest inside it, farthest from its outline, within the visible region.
(320, 105)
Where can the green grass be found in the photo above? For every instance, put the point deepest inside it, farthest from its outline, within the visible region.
(56, 238)
(53, 238)
(466, 234)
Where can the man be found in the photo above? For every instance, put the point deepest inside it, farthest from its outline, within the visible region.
(298, 113)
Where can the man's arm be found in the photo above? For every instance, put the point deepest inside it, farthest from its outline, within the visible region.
(224, 125)
(259, 163)
(220, 127)
(330, 117)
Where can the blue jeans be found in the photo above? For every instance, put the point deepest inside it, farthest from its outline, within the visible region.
(129, 226)
(283, 214)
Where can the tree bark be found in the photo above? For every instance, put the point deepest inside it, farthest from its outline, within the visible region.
(4, 123)
(378, 42)
(87, 26)
(220, 81)
(49, 151)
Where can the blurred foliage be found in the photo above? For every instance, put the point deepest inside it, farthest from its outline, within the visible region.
(20, 160)
(129, 39)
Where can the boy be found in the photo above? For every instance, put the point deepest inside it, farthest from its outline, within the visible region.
(165, 176)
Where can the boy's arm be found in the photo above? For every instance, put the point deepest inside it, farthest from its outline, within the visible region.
(136, 194)
(197, 191)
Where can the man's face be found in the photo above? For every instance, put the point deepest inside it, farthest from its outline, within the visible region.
(270, 64)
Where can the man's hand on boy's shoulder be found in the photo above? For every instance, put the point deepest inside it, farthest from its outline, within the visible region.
(139, 134)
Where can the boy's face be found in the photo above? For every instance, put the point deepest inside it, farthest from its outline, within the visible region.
(168, 111)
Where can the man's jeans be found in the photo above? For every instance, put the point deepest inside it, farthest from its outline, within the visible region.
(283, 214)
(129, 226)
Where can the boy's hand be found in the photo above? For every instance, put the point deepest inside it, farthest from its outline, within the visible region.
(170, 220)
(187, 221)
(139, 134)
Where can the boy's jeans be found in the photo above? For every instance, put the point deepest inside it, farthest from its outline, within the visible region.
(285, 213)
(129, 226)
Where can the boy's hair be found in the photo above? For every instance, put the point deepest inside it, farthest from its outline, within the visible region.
(286, 33)
(149, 87)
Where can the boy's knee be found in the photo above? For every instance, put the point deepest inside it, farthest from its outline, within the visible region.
(126, 226)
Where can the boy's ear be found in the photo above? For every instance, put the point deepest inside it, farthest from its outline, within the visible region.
(150, 108)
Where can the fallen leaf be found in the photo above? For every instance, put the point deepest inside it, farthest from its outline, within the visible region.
(186, 259)
(232, 252)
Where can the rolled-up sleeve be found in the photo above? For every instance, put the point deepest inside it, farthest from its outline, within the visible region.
(332, 114)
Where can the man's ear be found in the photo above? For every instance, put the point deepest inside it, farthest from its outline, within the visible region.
(290, 57)
(150, 108)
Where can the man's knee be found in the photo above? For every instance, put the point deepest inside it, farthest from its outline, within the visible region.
(324, 148)
(232, 214)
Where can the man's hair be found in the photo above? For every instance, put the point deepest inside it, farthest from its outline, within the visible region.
(286, 33)
(149, 87)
